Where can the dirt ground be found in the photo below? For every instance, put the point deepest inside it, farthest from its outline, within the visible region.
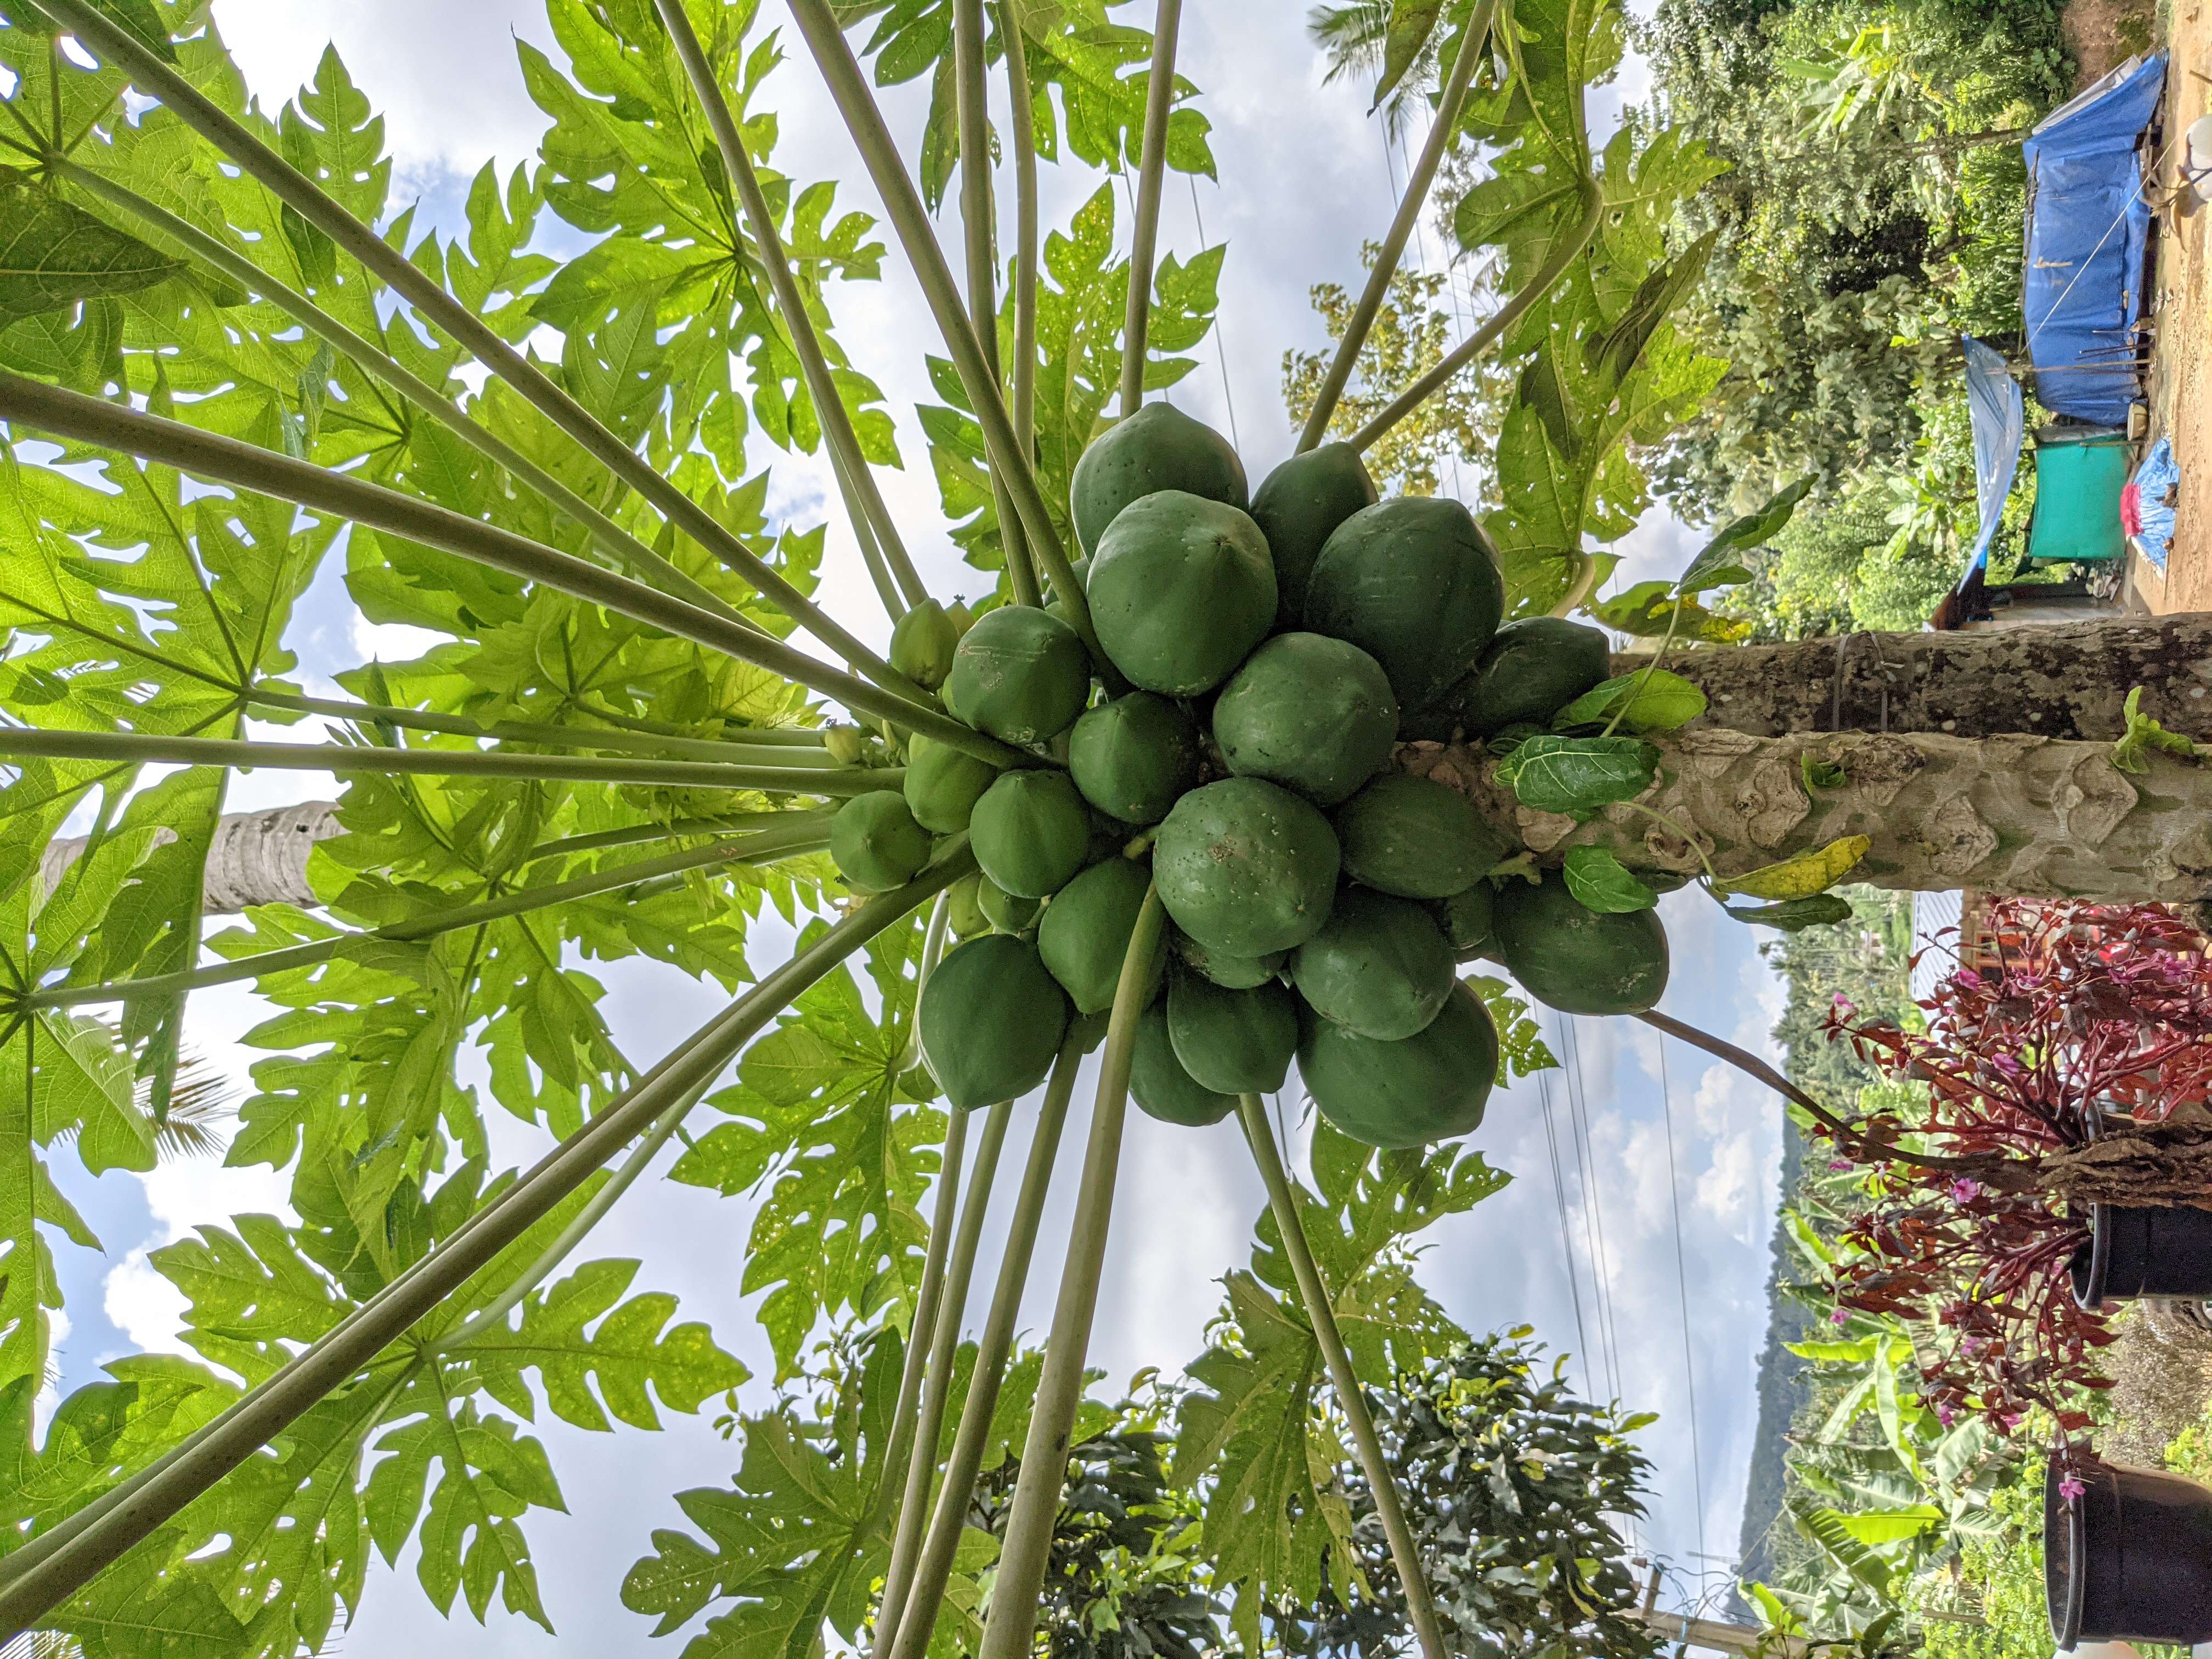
(2181, 369)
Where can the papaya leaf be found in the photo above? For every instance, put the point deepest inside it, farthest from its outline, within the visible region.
(140, 17)
(2144, 734)
(1521, 1048)
(1412, 22)
(54, 254)
(1794, 915)
(631, 1350)
(1718, 563)
(1820, 775)
(1813, 870)
(796, 1538)
(1579, 774)
(827, 1116)
(1647, 700)
(1648, 610)
(1603, 884)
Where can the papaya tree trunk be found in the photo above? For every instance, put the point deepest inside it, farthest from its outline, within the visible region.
(2049, 680)
(2016, 815)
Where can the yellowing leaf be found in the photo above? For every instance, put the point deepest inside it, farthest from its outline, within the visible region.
(1809, 872)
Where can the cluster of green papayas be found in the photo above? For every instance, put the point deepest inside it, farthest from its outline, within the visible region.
(1268, 653)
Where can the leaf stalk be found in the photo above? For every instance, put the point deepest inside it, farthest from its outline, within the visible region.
(1373, 1462)
(1393, 249)
(46, 1570)
(1010, 1631)
(844, 442)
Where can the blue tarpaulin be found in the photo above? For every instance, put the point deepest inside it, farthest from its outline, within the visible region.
(2088, 228)
(2000, 417)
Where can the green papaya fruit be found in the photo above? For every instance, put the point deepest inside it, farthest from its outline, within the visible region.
(1032, 832)
(1158, 448)
(1085, 935)
(1020, 675)
(1133, 757)
(1571, 957)
(1181, 590)
(991, 1020)
(877, 843)
(1414, 582)
(1310, 712)
(943, 784)
(1379, 966)
(1160, 1086)
(1298, 507)
(848, 745)
(1236, 1042)
(1225, 968)
(1246, 867)
(1469, 919)
(1415, 837)
(963, 907)
(1420, 1089)
(1533, 669)
(922, 643)
(1003, 911)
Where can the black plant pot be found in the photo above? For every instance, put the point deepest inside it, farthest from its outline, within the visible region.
(2152, 1251)
(2128, 1560)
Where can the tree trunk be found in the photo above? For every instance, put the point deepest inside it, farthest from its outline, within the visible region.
(2015, 815)
(2161, 1163)
(2060, 680)
(256, 857)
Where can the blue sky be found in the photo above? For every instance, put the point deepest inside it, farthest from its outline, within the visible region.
(1305, 179)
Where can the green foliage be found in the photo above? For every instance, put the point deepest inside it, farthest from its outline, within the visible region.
(1514, 1489)
(796, 1536)
(1872, 214)
(1277, 1517)
(1082, 298)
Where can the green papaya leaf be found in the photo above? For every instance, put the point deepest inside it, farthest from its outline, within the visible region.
(1794, 915)
(2144, 734)
(53, 253)
(1648, 610)
(1603, 884)
(1821, 774)
(1655, 699)
(1717, 565)
(1579, 774)
(140, 17)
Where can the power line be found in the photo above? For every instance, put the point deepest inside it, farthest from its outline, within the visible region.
(1566, 1237)
(1593, 1206)
(1682, 1282)
(1220, 343)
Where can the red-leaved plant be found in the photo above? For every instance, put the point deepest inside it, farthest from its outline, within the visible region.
(2087, 1011)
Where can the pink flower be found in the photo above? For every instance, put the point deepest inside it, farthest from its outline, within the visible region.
(1968, 977)
(1973, 1345)
(1844, 1007)
(1840, 1317)
(1965, 1191)
(1839, 1163)
(1946, 1416)
(2010, 1421)
(2070, 1488)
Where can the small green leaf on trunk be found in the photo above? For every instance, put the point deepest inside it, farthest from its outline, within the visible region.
(1603, 884)
(1655, 701)
(1579, 774)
